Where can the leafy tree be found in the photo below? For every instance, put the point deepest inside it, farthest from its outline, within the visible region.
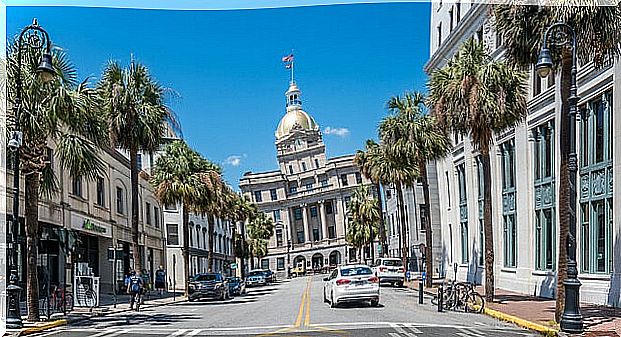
(63, 113)
(598, 29)
(413, 134)
(136, 111)
(260, 229)
(182, 176)
(477, 96)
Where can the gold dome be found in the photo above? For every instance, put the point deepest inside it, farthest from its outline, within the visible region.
(296, 118)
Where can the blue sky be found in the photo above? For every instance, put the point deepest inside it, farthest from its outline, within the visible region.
(226, 67)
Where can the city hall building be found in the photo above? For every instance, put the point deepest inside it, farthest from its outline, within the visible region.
(307, 196)
(525, 167)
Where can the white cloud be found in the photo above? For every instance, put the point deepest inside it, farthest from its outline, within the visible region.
(233, 160)
(341, 132)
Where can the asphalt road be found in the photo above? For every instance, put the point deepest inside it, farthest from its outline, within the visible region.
(294, 308)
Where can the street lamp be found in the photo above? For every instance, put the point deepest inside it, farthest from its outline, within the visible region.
(565, 36)
(36, 38)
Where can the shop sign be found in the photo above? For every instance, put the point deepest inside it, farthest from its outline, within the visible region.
(90, 226)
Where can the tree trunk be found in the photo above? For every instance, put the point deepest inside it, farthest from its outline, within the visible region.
(487, 223)
(428, 229)
(404, 243)
(372, 238)
(186, 248)
(242, 264)
(563, 198)
(210, 232)
(31, 196)
(382, 228)
(133, 162)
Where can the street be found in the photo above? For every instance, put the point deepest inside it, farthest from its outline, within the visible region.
(293, 308)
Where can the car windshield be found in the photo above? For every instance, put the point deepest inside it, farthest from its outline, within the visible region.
(207, 277)
(255, 273)
(393, 263)
(356, 271)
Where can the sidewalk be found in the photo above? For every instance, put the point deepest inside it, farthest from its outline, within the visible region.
(599, 320)
(106, 307)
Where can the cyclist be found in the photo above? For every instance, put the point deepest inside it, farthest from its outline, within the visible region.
(134, 288)
(160, 280)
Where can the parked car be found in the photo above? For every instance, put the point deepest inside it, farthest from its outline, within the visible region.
(256, 278)
(237, 286)
(212, 285)
(270, 277)
(351, 283)
(389, 270)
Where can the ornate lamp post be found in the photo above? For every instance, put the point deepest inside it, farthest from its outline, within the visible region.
(565, 36)
(32, 37)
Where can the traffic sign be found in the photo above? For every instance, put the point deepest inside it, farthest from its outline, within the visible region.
(233, 265)
(424, 275)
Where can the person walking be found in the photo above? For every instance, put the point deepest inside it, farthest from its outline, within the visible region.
(160, 280)
(134, 289)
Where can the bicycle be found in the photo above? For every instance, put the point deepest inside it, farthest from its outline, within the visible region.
(459, 295)
(61, 301)
(137, 300)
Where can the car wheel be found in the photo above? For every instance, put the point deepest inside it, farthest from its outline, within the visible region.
(191, 299)
(332, 302)
(399, 284)
(375, 302)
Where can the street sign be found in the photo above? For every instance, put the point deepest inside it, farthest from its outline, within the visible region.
(379, 247)
(233, 265)
(424, 276)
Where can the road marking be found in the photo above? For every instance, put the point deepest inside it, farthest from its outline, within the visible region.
(303, 304)
(308, 300)
(194, 332)
(394, 334)
(178, 332)
(403, 332)
(103, 333)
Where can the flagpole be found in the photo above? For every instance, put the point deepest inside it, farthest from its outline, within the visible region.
(292, 80)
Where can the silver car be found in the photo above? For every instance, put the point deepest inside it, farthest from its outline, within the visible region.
(353, 283)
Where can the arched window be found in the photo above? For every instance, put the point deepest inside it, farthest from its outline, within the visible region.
(190, 233)
(198, 237)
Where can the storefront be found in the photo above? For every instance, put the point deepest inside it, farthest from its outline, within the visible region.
(93, 238)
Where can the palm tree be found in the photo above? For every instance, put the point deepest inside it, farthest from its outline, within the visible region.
(477, 96)
(422, 140)
(260, 229)
(363, 218)
(63, 112)
(380, 166)
(598, 29)
(244, 211)
(134, 105)
(178, 178)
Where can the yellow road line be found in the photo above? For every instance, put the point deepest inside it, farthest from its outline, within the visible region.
(308, 300)
(305, 299)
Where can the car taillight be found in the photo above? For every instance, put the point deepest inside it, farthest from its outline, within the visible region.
(342, 282)
(383, 269)
(401, 270)
(373, 279)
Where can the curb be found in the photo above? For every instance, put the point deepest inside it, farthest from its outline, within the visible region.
(43, 327)
(521, 322)
(80, 319)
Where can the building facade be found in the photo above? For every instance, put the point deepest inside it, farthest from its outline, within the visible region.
(525, 168)
(86, 220)
(307, 196)
(416, 215)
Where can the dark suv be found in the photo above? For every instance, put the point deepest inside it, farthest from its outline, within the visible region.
(270, 277)
(212, 285)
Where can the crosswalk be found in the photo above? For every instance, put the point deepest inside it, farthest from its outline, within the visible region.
(408, 330)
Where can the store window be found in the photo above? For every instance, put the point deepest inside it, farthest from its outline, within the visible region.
(172, 234)
(507, 163)
(545, 196)
(463, 212)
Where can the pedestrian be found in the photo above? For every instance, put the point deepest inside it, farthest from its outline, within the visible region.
(134, 287)
(160, 280)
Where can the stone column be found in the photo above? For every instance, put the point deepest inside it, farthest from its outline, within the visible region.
(291, 222)
(324, 223)
(307, 232)
(340, 214)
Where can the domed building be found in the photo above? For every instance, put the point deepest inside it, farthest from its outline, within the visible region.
(307, 196)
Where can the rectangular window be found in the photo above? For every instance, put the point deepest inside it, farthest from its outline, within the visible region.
(139, 161)
(76, 187)
(170, 207)
(280, 263)
(297, 213)
(313, 211)
(448, 188)
(544, 240)
(439, 34)
(279, 241)
(347, 201)
(300, 235)
(303, 167)
(586, 239)
(316, 163)
(507, 163)
(598, 127)
(328, 206)
(309, 186)
(49, 157)
(536, 84)
(120, 204)
(509, 241)
(101, 192)
(463, 213)
(172, 234)
(273, 194)
(315, 234)
(358, 178)
(344, 179)
(257, 196)
(458, 11)
(450, 12)
(148, 213)
(265, 264)
(290, 169)
(331, 232)
(324, 182)
(277, 215)
(156, 217)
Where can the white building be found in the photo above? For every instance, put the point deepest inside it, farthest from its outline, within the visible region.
(307, 196)
(525, 166)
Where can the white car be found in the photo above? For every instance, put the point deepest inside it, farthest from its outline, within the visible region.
(353, 283)
(389, 270)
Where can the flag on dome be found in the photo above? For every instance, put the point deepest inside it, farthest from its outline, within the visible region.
(288, 60)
